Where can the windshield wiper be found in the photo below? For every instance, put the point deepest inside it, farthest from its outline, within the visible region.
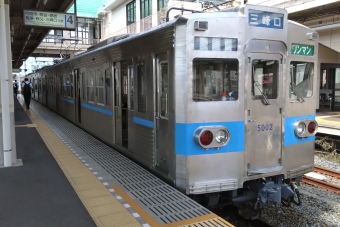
(296, 91)
(264, 99)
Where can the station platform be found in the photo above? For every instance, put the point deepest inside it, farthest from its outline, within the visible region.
(329, 123)
(69, 178)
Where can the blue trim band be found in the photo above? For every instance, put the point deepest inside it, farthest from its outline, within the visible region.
(98, 109)
(289, 135)
(67, 100)
(144, 122)
(186, 146)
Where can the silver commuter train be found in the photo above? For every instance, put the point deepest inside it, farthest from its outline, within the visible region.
(221, 104)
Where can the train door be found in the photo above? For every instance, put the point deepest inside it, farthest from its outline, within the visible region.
(264, 113)
(117, 105)
(77, 93)
(162, 112)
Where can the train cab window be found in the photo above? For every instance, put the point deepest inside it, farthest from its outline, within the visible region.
(301, 80)
(90, 86)
(265, 78)
(141, 85)
(215, 80)
(131, 87)
(100, 86)
(108, 90)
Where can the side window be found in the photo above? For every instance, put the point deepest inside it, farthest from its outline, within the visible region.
(100, 86)
(141, 89)
(108, 88)
(90, 86)
(215, 80)
(301, 79)
(131, 87)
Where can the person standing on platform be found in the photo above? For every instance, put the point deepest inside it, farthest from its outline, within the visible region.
(15, 88)
(26, 88)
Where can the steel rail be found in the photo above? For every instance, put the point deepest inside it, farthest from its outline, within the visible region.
(327, 172)
(322, 184)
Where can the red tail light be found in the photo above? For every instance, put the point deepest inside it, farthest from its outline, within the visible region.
(311, 127)
(206, 138)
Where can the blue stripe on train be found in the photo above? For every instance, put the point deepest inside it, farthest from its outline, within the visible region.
(185, 144)
(67, 100)
(143, 122)
(290, 138)
(98, 109)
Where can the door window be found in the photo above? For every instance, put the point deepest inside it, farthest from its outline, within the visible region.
(131, 86)
(164, 89)
(108, 91)
(116, 75)
(100, 86)
(265, 77)
(141, 89)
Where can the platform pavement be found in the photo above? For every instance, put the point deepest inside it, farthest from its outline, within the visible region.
(37, 194)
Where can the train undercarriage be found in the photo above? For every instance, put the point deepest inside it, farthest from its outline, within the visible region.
(255, 196)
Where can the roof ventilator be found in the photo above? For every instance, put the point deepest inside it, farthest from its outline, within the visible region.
(201, 25)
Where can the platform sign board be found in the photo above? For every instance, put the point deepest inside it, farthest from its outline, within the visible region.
(265, 19)
(302, 49)
(63, 21)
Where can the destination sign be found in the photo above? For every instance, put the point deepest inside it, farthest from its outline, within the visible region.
(302, 49)
(265, 19)
(49, 19)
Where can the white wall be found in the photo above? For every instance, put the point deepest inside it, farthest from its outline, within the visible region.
(114, 21)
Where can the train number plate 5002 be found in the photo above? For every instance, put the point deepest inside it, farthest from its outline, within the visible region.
(264, 127)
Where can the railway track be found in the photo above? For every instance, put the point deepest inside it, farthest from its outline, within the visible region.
(323, 184)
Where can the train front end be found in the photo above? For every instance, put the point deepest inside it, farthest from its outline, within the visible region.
(245, 105)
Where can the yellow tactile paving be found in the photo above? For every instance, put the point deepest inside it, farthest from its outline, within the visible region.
(198, 221)
(103, 207)
(28, 126)
(322, 120)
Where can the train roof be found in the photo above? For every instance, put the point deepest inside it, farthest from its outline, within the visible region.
(124, 38)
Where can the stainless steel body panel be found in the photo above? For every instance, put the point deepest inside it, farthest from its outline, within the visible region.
(216, 168)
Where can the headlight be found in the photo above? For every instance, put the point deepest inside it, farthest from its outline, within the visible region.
(222, 136)
(300, 128)
(211, 136)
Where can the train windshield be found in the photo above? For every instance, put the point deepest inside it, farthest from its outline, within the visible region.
(301, 80)
(265, 79)
(215, 80)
